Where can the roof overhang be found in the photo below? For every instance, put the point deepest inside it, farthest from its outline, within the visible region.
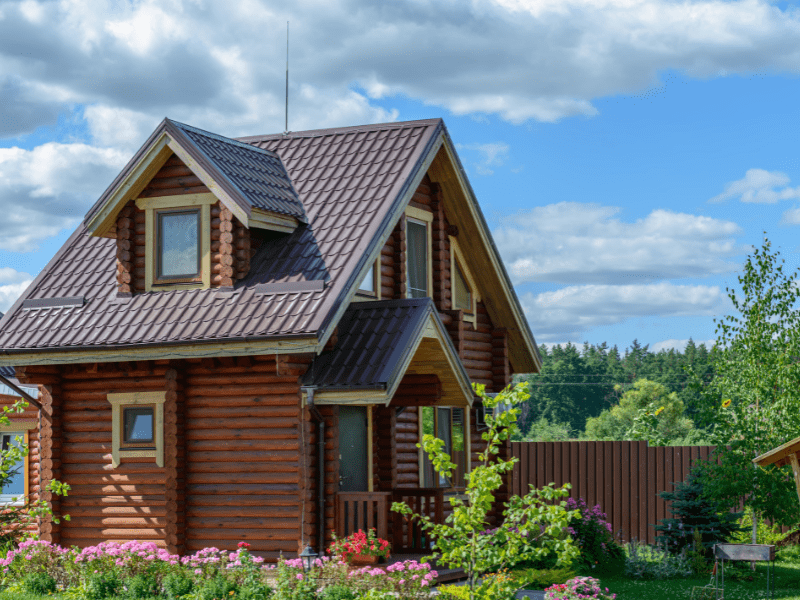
(786, 454)
(166, 140)
(429, 352)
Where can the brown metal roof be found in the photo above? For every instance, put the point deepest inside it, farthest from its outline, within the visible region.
(372, 338)
(349, 181)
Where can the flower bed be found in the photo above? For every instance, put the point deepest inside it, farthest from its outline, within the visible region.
(143, 570)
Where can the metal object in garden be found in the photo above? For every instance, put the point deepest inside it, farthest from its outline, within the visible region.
(708, 592)
(744, 552)
(529, 595)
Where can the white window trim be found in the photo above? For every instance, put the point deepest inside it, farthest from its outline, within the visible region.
(19, 429)
(189, 201)
(423, 217)
(457, 257)
(118, 402)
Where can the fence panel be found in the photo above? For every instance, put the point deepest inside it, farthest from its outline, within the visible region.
(624, 478)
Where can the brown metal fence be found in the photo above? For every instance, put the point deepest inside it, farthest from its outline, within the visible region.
(624, 478)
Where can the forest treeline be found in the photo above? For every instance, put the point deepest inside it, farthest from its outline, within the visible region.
(578, 384)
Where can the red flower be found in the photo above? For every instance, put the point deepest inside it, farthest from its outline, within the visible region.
(243, 545)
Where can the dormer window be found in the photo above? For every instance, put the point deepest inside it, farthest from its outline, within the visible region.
(368, 288)
(178, 245)
(462, 284)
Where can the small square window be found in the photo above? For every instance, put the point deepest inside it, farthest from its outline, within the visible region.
(14, 487)
(178, 245)
(138, 426)
(462, 294)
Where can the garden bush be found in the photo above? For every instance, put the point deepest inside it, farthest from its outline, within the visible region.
(177, 584)
(39, 583)
(651, 562)
(594, 536)
(140, 587)
(764, 533)
(579, 588)
(337, 592)
(101, 585)
(218, 588)
(539, 579)
(692, 511)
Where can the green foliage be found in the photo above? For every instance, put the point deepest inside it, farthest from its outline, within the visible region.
(538, 579)
(764, 533)
(546, 431)
(337, 592)
(453, 592)
(692, 511)
(217, 588)
(577, 383)
(753, 404)
(177, 584)
(595, 538)
(651, 562)
(533, 526)
(140, 587)
(39, 583)
(257, 591)
(648, 411)
(101, 585)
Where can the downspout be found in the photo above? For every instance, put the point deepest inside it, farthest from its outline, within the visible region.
(320, 465)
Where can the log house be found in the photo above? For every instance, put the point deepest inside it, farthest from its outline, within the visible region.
(246, 339)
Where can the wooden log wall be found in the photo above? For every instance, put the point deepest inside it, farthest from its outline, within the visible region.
(388, 267)
(407, 437)
(385, 445)
(174, 447)
(172, 179)
(399, 244)
(331, 416)
(223, 227)
(245, 461)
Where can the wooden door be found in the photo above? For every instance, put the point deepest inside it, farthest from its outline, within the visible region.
(353, 449)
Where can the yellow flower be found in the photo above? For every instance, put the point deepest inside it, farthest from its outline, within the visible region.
(726, 403)
(659, 410)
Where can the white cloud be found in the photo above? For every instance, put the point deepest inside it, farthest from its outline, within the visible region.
(759, 186)
(10, 292)
(9, 275)
(570, 312)
(570, 242)
(491, 155)
(679, 345)
(49, 188)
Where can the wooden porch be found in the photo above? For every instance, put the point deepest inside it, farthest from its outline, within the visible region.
(372, 510)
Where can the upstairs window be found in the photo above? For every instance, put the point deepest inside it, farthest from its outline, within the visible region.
(419, 260)
(369, 286)
(462, 296)
(462, 284)
(178, 245)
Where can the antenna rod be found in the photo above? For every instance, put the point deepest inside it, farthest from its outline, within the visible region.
(286, 123)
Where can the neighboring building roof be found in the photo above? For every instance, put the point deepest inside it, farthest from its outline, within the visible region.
(258, 174)
(351, 181)
(8, 372)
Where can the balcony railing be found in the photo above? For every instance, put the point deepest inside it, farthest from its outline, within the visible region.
(362, 510)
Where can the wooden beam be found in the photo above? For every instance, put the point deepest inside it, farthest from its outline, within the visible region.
(796, 470)
(780, 455)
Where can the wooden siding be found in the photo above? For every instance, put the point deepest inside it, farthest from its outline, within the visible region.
(624, 478)
(407, 438)
(172, 179)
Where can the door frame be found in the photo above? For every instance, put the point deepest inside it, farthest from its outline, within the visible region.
(370, 449)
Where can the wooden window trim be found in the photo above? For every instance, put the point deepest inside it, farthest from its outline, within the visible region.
(19, 429)
(457, 258)
(151, 206)
(422, 217)
(120, 450)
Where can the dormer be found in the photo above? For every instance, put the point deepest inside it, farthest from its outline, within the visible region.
(189, 209)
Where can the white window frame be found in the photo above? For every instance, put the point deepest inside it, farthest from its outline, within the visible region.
(421, 217)
(457, 258)
(362, 294)
(19, 429)
(120, 401)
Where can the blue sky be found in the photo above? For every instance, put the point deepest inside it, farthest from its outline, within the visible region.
(627, 154)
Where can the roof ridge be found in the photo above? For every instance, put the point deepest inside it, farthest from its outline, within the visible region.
(339, 130)
(222, 138)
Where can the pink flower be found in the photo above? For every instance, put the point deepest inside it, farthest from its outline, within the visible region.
(299, 576)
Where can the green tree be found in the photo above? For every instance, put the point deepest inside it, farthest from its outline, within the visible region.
(546, 431)
(533, 527)
(647, 411)
(752, 405)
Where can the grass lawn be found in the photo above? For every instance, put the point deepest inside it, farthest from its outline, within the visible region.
(787, 585)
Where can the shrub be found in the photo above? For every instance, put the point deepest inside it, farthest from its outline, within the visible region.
(337, 592)
(594, 536)
(254, 591)
(140, 587)
(217, 588)
(539, 579)
(764, 533)
(651, 562)
(453, 592)
(692, 511)
(39, 583)
(579, 588)
(177, 584)
(102, 584)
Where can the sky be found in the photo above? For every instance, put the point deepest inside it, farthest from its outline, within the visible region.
(627, 154)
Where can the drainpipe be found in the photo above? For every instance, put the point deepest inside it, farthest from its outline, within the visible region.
(309, 391)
